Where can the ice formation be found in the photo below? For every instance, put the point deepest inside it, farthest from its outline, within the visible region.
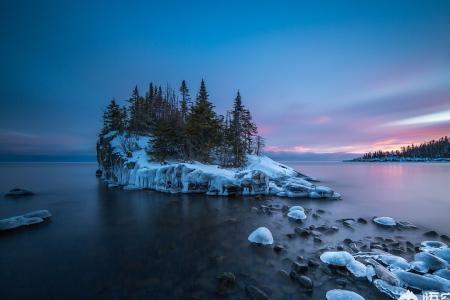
(385, 221)
(444, 273)
(433, 262)
(297, 215)
(338, 294)
(30, 218)
(261, 235)
(423, 282)
(345, 259)
(391, 290)
(431, 246)
(419, 266)
(124, 162)
(296, 207)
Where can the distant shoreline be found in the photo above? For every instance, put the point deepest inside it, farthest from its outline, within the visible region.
(400, 160)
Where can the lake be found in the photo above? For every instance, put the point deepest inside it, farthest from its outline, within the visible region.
(113, 244)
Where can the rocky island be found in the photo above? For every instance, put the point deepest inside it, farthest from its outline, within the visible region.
(163, 144)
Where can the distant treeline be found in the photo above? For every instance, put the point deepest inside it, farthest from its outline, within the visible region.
(186, 130)
(430, 150)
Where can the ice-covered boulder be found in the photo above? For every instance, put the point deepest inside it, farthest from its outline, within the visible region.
(391, 290)
(433, 262)
(385, 221)
(30, 218)
(430, 246)
(443, 253)
(344, 259)
(261, 235)
(297, 215)
(422, 282)
(419, 266)
(338, 294)
(444, 273)
(296, 207)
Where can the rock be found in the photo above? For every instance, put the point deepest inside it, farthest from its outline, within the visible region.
(323, 228)
(30, 218)
(303, 280)
(443, 253)
(300, 268)
(290, 235)
(98, 173)
(431, 233)
(18, 193)
(348, 223)
(347, 241)
(313, 263)
(254, 209)
(278, 248)
(315, 233)
(406, 225)
(317, 240)
(362, 221)
(419, 266)
(255, 293)
(394, 292)
(315, 216)
(338, 294)
(340, 248)
(385, 221)
(445, 238)
(302, 232)
(422, 282)
(262, 235)
(320, 211)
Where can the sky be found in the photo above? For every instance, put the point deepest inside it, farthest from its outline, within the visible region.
(318, 76)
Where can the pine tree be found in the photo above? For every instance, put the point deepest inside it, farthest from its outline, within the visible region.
(237, 138)
(184, 100)
(202, 127)
(113, 118)
(134, 111)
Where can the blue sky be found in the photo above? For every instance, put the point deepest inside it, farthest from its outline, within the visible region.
(319, 76)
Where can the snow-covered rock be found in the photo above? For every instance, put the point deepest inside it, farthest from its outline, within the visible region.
(385, 221)
(338, 294)
(261, 235)
(124, 161)
(30, 218)
(443, 253)
(430, 246)
(419, 266)
(297, 215)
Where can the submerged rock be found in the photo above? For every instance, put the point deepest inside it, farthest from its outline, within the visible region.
(30, 218)
(433, 245)
(18, 193)
(385, 221)
(339, 294)
(262, 235)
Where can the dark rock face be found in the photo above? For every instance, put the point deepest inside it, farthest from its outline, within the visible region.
(98, 173)
(431, 233)
(255, 293)
(16, 192)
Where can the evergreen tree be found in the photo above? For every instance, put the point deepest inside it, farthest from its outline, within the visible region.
(113, 118)
(202, 127)
(184, 107)
(135, 111)
(259, 145)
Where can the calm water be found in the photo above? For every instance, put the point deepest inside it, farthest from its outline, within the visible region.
(113, 244)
